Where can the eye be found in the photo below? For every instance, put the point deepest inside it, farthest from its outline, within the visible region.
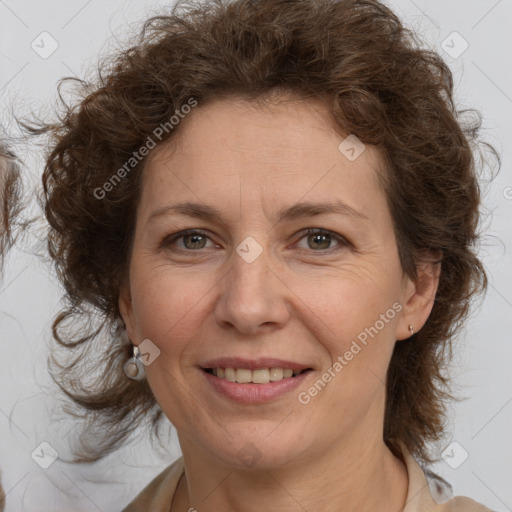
(319, 239)
(193, 239)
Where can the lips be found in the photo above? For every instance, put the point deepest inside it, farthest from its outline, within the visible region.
(254, 393)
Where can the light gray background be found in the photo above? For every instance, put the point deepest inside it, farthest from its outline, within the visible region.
(29, 412)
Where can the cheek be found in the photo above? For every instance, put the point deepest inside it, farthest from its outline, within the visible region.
(350, 298)
(354, 321)
(168, 305)
(352, 313)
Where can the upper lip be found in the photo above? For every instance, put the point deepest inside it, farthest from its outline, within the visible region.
(253, 364)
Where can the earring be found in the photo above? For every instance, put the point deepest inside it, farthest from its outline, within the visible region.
(133, 368)
(411, 330)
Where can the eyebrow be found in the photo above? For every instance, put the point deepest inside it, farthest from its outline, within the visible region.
(297, 211)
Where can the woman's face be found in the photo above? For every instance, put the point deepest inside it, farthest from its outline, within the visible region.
(254, 284)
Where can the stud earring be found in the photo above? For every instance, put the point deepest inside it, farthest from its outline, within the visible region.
(411, 330)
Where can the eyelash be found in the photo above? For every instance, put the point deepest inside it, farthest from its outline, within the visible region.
(171, 239)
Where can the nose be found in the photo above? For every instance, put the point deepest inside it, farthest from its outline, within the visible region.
(253, 297)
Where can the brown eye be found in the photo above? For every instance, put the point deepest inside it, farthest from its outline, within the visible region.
(320, 240)
(193, 240)
(196, 241)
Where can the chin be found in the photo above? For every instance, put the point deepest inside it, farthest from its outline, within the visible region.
(259, 452)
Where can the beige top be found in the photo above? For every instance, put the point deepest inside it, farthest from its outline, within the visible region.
(423, 494)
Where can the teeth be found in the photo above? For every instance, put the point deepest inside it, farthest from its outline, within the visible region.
(276, 374)
(230, 374)
(260, 376)
(243, 376)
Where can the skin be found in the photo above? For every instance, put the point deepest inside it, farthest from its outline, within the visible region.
(303, 299)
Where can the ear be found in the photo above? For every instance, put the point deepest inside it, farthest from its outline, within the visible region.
(419, 298)
(126, 309)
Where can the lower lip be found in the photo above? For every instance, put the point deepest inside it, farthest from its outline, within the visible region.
(255, 393)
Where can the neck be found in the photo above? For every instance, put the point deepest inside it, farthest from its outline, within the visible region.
(358, 475)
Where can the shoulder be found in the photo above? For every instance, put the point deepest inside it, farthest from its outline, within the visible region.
(428, 492)
(157, 495)
(463, 504)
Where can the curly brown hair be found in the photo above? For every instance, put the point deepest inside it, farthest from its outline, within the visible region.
(10, 199)
(10, 209)
(379, 84)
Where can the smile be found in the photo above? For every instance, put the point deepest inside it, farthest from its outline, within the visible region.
(257, 376)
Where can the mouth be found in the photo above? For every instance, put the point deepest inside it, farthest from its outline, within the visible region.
(258, 381)
(255, 376)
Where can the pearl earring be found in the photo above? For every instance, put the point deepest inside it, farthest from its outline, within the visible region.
(133, 368)
(411, 330)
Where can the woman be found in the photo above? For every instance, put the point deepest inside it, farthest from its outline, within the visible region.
(278, 204)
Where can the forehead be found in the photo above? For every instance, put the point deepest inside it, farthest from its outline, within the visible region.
(284, 149)
(288, 131)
